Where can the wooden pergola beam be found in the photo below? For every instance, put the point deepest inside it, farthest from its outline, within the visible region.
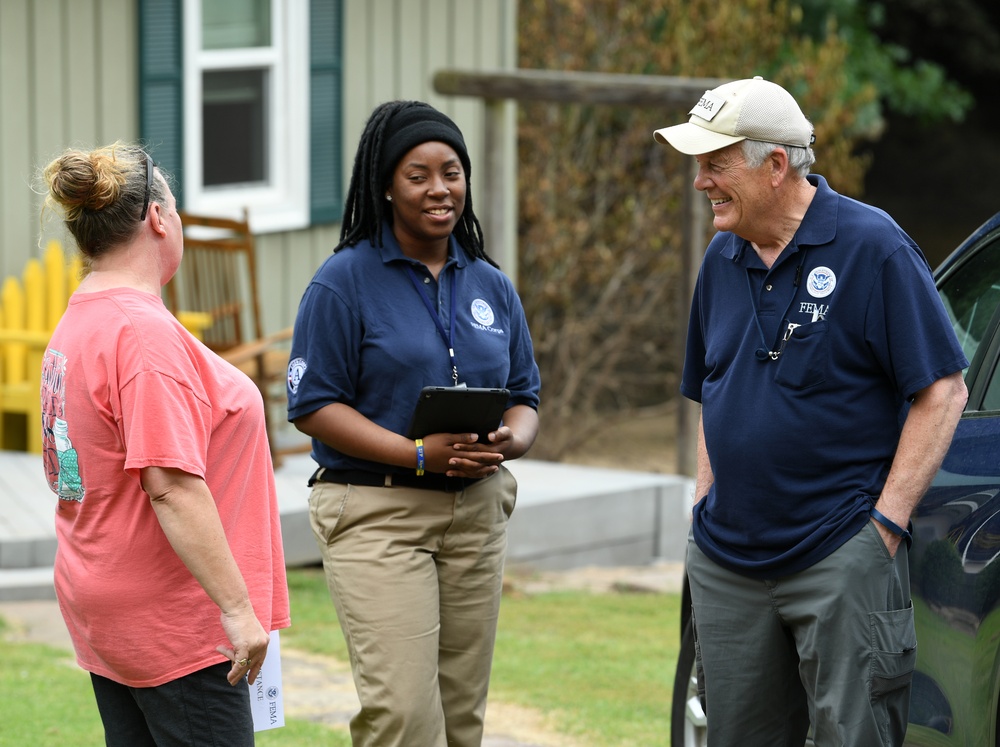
(575, 87)
(673, 94)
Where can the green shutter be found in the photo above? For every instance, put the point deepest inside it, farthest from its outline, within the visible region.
(161, 86)
(161, 98)
(326, 195)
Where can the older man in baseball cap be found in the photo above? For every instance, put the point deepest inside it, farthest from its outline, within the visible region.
(753, 109)
(815, 331)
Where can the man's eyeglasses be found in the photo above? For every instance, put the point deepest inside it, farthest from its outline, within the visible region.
(149, 187)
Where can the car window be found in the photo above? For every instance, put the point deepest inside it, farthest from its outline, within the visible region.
(991, 398)
(971, 295)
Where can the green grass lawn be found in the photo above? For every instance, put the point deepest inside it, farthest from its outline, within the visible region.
(599, 666)
(50, 703)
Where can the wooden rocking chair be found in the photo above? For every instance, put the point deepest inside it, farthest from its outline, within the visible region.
(217, 278)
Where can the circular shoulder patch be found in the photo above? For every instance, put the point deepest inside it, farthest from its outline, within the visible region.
(296, 368)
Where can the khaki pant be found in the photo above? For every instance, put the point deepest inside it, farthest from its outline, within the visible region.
(833, 646)
(416, 578)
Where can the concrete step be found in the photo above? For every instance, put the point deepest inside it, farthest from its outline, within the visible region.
(567, 516)
(23, 584)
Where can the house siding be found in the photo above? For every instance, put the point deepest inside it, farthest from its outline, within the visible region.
(69, 77)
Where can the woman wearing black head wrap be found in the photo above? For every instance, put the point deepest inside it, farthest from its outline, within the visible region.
(413, 532)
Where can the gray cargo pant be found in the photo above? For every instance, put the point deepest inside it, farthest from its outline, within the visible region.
(833, 646)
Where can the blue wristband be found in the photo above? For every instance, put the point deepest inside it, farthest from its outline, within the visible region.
(420, 456)
(890, 525)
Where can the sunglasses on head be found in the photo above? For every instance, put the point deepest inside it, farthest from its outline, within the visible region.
(149, 187)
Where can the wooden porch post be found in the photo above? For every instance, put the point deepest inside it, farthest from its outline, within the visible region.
(498, 214)
(695, 220)
(494, 190)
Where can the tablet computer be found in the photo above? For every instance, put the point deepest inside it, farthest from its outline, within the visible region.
(452, 409)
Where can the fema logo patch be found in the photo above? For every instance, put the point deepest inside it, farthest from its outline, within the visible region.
(821, 282)
(296, 368)
(482, 312)
(708, 106)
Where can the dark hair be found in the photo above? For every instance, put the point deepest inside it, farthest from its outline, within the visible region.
(364, 209)
(102, 193)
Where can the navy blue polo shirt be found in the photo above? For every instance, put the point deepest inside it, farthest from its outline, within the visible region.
(365, 338)
(800, 441)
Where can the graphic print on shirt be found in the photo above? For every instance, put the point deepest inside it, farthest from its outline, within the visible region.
(62, 468)
(818, 311)
(482, 312)
(821, 282)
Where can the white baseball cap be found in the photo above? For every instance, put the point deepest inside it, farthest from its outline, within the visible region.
(751, 109)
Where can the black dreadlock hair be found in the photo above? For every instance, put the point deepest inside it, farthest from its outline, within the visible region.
(364, 209)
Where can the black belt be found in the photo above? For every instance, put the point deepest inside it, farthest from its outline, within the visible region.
(426, 481)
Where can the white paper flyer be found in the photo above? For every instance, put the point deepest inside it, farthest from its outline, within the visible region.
(266, 698)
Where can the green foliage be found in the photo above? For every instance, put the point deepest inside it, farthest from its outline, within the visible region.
(905, 85)
(601, 204)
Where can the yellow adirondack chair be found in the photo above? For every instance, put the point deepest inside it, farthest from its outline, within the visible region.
(30, 308)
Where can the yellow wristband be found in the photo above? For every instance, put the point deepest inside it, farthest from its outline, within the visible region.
(420, 456)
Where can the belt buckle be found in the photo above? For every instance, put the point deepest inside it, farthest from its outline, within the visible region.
(316, 477)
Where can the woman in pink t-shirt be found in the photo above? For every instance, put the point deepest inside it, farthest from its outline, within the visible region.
(169, 569)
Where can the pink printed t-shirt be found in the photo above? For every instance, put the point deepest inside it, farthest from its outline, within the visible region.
(125, 386)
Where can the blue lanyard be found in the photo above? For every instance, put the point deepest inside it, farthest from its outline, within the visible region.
(449, 336)
(763, 353)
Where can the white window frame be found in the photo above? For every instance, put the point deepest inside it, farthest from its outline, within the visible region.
(282, 204)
